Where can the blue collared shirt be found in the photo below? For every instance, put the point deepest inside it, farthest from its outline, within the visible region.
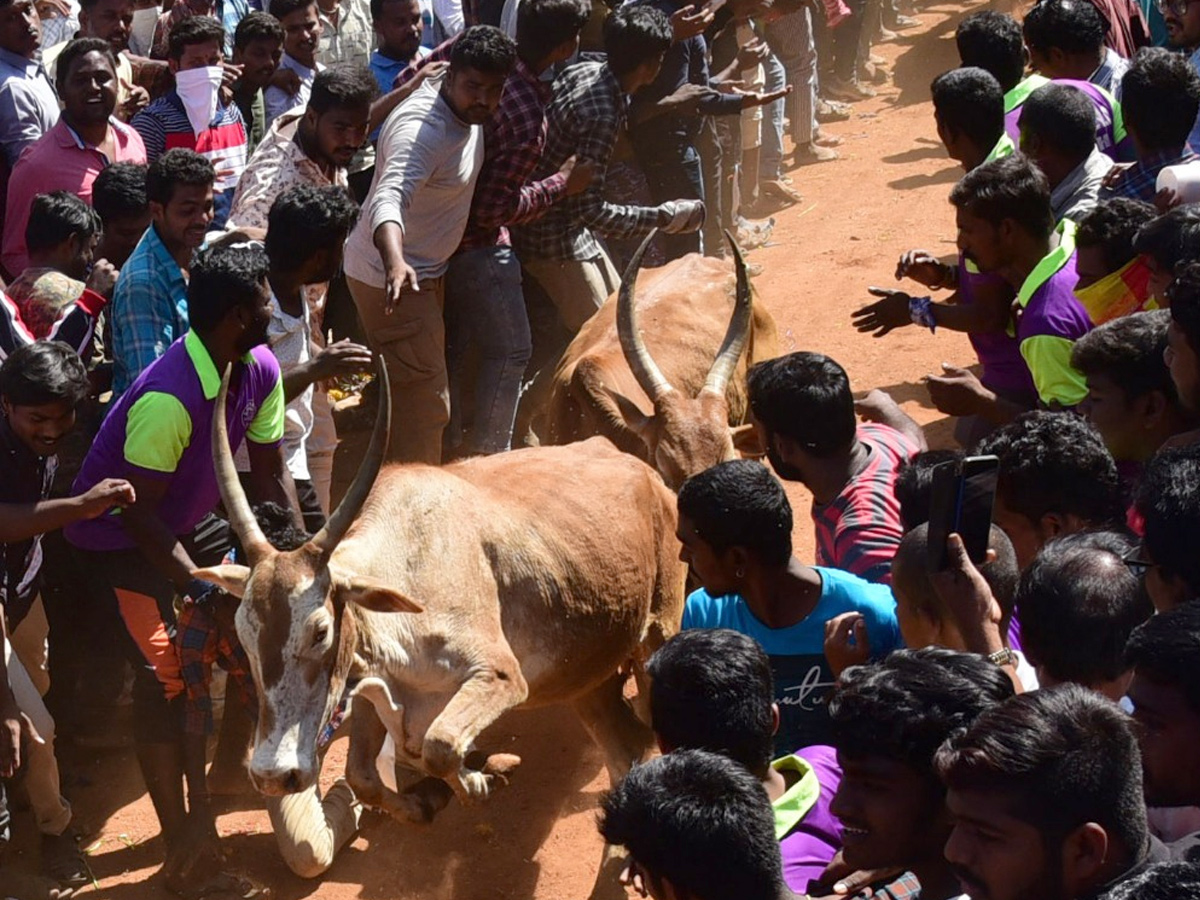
(149, 309)
(28, 104)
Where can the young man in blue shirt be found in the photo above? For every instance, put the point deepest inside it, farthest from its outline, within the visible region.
(735, 524)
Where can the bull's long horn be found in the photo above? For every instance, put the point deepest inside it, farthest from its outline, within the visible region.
(649, 376)
(738, 332)
(241, 519)
(327, 539)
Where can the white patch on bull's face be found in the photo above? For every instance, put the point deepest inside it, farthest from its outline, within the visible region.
(288, 628)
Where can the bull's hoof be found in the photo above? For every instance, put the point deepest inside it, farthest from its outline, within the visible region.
(502, 765)
(420, 803)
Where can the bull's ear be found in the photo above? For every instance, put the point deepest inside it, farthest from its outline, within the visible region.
(746, 442)
(621, 410)
(230, 579)
(376, 596)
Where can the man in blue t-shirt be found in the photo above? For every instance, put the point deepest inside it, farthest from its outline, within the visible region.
(735, 524)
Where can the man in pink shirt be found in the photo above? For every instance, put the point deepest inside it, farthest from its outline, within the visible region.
(86, 140)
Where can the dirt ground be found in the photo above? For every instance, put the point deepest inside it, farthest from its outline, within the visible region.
(536, 839)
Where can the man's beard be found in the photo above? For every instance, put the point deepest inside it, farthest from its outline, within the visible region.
(1049, 885)
(782, 467)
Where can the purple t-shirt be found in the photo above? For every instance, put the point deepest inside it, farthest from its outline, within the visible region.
(808, 848)
(1110, 140)
(161, 428)
(1004, 370)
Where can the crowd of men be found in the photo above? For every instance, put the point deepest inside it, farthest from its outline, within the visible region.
(289, 197)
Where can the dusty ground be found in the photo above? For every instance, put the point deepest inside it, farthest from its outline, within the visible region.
(537, 838)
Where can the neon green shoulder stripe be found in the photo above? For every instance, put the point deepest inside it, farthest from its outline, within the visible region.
(1021, 92)
(1050, 263)
(158, 429)
(799, 798)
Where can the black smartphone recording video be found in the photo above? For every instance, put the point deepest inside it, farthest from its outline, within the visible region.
(962, 495)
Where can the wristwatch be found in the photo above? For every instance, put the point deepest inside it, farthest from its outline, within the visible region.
(1003, 657)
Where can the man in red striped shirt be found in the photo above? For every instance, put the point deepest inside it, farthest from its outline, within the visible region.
(192, 116)
(805, 417)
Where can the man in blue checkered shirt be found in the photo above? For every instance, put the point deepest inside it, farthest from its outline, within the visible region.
(585, 115)
(1161, 96)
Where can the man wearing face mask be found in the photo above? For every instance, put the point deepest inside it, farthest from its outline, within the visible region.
(86, 140)
(430, 154)
(193, 115)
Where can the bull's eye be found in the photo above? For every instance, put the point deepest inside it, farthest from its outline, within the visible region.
(320, 635)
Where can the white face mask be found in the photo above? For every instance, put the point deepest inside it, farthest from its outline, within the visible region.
(142, 32)
(199, 89)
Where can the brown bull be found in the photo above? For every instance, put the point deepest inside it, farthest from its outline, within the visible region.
(642, 373)
(445, 597)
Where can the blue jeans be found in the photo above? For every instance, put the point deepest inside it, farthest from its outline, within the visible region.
(770, 159)
(675, 173)
(487, 348)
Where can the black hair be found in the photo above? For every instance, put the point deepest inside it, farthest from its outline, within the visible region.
(911, 575)
(1160, 96)
(1063, 117)
(1129, 352)
(76, 49)
(1078, 605)
(305, 220)
(344, 86)
(484, 49)
(1055, 463)
(711, 689)
(1061, 757)
(904, 706)
(740, 504)
(257, 26)
(914, 485)
(1161, 881)
(279, 526)
(700, 821)
(969, 100)
(543, 25)
(1113, 226)
(195, 30)
(56, 217)
(993, 41)
(119, 191)
(223, 278)
(1165, 649)
(1073, 26)
(178, 166)
(1008, 188)
(377, 7)
(805, 397)
(634, 35)
(1184, 296)
(281, 8)
(44, 372)
(1168, 501)
(1171, 239)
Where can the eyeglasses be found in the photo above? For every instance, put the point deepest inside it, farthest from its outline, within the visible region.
(1177, 8)
(1136, 562)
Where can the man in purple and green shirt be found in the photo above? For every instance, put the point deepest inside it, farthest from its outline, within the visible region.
(888, 720)
(485, 305)
(712, 689)
(158, 436)
(1006, 227)
(968, 105)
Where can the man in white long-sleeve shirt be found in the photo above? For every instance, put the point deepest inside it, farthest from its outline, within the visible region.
(428, 157)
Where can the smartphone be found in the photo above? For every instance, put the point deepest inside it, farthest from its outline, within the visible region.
(962, 495)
